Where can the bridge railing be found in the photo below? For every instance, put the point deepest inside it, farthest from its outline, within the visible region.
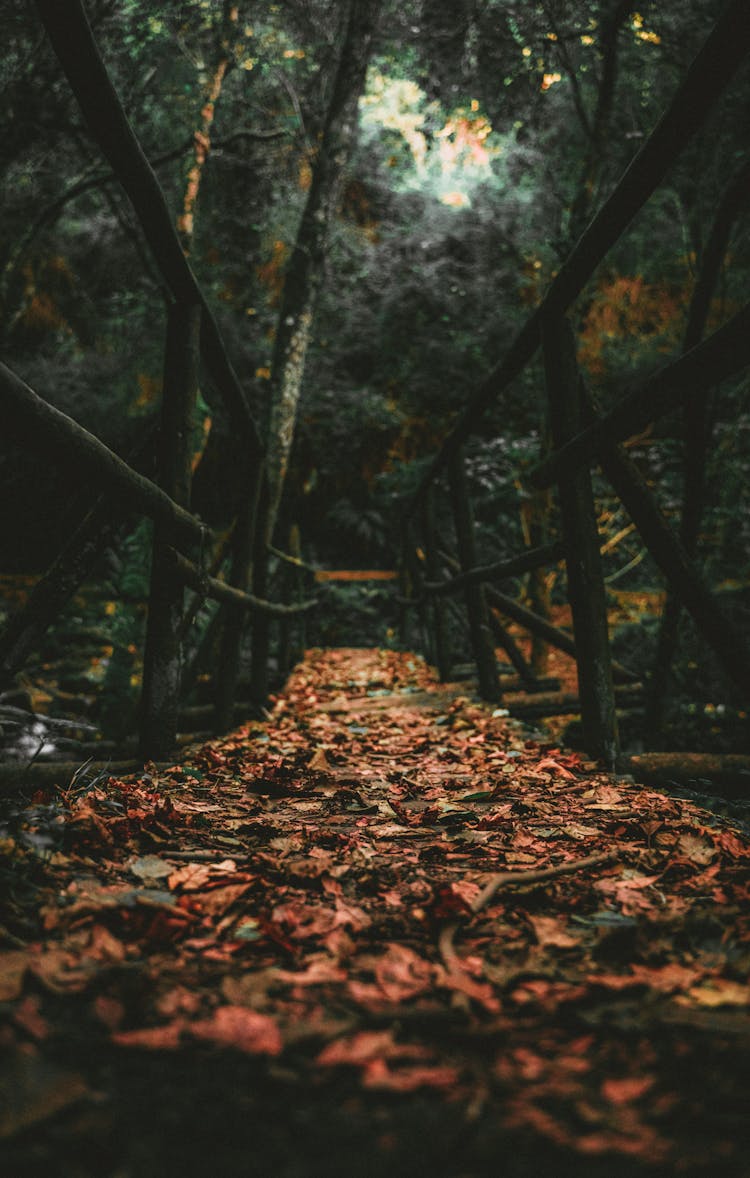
(181, 541)
(581, 435)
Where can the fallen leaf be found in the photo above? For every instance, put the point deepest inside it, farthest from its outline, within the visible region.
(627, 1090)
(240, 1028)
(319, 762)
(549, 930)
(13, 966)
(150, 868)
(165, 1038)
(718, 992)
(697, 849)
(380, 1078)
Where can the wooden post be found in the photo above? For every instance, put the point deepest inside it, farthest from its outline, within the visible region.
(697, 436)
(505, 639)
(404, 584)
(728, 641)
(260, 630)
(476, 604)
(292, 581)
(415, 572)
(437, 612)
(551, 634)
(161, 661)
(586, 591)
(235, 616)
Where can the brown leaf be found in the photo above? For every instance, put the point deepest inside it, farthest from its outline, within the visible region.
(627, 1090)
(549, 930)
(165, 1038)
(220, 900)
(319, 762)
(718, 992)
(241, 1028)
(697, 849)
(379, 1077)
(13, 966)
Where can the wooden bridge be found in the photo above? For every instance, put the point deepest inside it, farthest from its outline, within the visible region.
(187, 555)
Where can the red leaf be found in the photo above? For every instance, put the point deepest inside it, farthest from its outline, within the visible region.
(243, 1029)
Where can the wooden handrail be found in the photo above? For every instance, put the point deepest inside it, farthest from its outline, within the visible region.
(73, 41)
(723, 354)
(513, 566)
(721, 55)
(39, 426)
(208, 586)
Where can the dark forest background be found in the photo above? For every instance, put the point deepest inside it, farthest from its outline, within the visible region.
(488, 134)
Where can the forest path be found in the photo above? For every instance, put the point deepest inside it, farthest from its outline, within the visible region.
(380, 932)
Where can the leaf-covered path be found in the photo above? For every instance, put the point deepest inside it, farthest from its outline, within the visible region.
(381, 932)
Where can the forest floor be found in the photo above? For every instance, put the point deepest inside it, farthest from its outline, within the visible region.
(385, 931)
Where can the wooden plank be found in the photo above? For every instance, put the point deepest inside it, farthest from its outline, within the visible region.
(354, 575)
(37, 425)
(566, 703)
(729, 772)
(586, 592)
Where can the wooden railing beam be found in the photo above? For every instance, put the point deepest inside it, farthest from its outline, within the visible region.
(37, 425)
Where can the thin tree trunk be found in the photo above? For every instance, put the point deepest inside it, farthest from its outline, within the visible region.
(612, 17)
(304, 273)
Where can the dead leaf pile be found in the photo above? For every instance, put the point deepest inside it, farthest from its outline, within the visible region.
(350, 889)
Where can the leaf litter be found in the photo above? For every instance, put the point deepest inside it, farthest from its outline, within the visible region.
(413, 897)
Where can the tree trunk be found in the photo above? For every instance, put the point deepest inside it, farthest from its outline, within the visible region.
(304, 273)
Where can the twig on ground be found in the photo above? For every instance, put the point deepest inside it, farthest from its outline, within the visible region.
(513, 878)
